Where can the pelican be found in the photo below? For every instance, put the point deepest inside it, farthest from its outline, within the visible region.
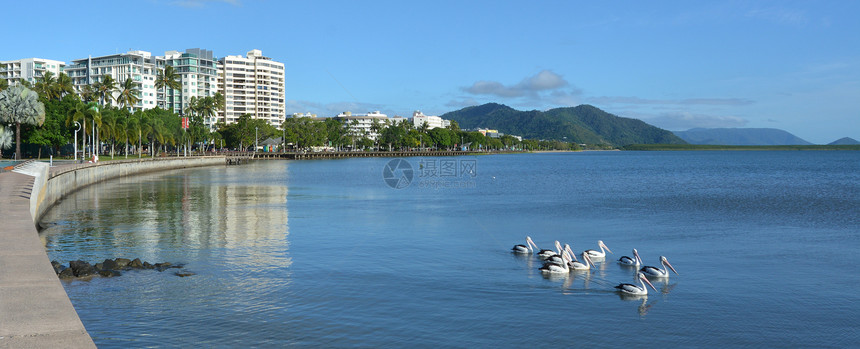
(577, 265)
(553, 268)
(545, 254)
(598, 254)
(524, 249)
(557, 259)
(636, 290)
(657, 272)
(635, 261)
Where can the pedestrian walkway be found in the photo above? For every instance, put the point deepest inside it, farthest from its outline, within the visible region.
(35, 311)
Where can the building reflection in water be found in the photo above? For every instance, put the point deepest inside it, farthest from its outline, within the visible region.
(239, 211)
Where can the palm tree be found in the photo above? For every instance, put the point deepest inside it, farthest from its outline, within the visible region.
(5, 138)
(167, 78)
(127, 94)
(87, 93)
(45, 85)
(20, 105)
(83, 112)
(110, 128)
(105, 89)
(64, 85)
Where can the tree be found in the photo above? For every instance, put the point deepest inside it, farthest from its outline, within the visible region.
(64, 85)
(127, 94)
(105, 89)
(167, 78)
(53, 131)
(45, 85)
(20, 105)
(83, 113)
(4, 84)
(5, 138)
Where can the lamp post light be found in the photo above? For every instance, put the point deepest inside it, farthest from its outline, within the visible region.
(76, 140)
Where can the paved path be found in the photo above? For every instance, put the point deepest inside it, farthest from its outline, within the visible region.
(35, 311)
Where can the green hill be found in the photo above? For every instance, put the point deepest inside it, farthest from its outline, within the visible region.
(581, 124)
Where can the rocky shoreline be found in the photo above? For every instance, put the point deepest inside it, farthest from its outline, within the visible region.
(111, 268)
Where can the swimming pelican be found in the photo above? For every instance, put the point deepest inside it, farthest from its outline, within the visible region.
(636, 290)
(545, 254)
(556, 258)
(577, 265)
(524, 249)
(634, 261)
(657, 272)
(553, 268)
(598, 254)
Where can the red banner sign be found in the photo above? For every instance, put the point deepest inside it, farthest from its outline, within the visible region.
(184, 122)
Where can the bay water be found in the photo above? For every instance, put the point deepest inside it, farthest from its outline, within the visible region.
(354, 252)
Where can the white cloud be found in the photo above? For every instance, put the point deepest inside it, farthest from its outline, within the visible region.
(545, 80)
(687, 101)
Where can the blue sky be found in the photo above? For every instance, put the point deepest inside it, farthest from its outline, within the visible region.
(674, 64)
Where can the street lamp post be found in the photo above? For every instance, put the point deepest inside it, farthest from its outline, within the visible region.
(255, 139)
(76, 140)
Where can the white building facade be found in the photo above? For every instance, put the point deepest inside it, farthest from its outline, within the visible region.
(140, 66)
(197, 70)
(29, 69)
(418, 120)
(252, 85)
(361, 125)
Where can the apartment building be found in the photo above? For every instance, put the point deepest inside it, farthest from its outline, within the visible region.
(418, 120)
(197, 72)
(252, 85)
(140, 66)
(361, 124)
(29, 69)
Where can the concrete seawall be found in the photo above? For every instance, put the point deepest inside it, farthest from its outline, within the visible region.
(35, 311)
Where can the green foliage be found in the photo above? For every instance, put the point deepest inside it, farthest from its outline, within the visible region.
(20, 105)
(242, 133)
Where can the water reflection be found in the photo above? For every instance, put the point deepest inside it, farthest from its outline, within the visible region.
(191, 211)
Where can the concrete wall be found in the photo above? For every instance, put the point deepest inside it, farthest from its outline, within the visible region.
(66, 179)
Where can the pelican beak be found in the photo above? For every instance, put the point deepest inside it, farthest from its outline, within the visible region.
(587, 258)
(671, 267)
(636, 257)
(607, 248)
(649, 283)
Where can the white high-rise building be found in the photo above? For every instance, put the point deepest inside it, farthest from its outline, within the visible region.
(29, 69)
(252, 85)
(140, 66)
(197, 70)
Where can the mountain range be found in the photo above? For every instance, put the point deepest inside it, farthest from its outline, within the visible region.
(740, 136)
(844, 141)
(580, 124)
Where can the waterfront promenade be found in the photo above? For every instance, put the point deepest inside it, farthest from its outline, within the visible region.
(35, 311)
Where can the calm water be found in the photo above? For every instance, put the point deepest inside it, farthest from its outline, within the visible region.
(325, 253)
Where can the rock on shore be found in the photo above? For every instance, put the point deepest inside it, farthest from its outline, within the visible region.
(109, 268)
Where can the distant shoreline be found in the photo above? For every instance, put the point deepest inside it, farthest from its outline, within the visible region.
(679, 147)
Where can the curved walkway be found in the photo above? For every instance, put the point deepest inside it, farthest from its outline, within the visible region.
(35, 311)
